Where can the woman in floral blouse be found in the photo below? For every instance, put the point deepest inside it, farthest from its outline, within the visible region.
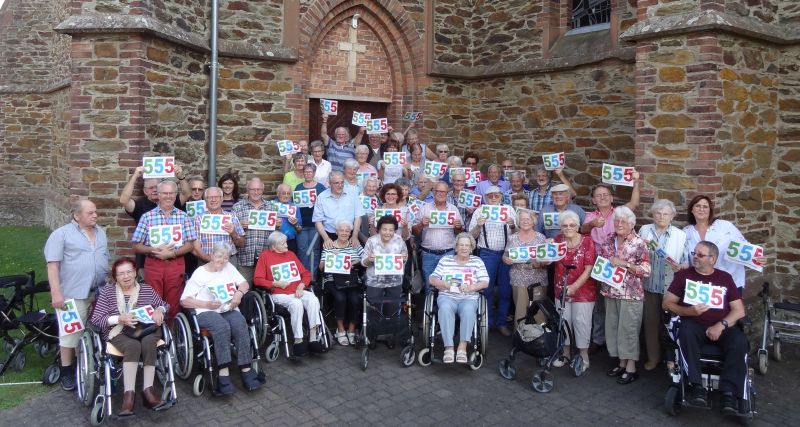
(529, 272)
(624, 306)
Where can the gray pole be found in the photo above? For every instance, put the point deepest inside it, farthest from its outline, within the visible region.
(212, 107)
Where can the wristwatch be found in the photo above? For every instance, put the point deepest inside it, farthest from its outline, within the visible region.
(724, 323)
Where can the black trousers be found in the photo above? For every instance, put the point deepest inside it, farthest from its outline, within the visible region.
(732, 342)
(346, 304)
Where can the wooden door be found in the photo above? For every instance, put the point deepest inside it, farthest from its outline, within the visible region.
(344, 118)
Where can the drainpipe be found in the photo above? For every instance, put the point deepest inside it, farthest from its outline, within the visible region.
(212, 108)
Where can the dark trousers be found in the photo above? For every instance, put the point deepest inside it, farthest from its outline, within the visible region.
(732, 342)
(346, 303)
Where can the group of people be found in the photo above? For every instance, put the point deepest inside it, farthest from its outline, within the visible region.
(423, 219)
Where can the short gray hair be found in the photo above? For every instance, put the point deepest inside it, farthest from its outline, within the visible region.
(468, 236)
(76, 206)
(624, 213)
(371, 179)
(362, 149)
(351, 164)
(516, 174)
(442, 147)
(166, 182)
(222, 248)
(346, 129)
(316, 143)
(569, 215)
(208, 190)
(530, 213)
(275, 238)
(661, 204)
(454, 161)
(349, 224)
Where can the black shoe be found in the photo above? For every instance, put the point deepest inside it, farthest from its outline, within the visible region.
(250, 380)
(616, 371)
(728, 403)
(68, 381)
(698, 396)
(224, 386)
(316, 347)
(300, 350)
(627, 378)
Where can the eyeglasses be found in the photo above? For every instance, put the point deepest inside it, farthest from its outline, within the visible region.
(337, 182)
(494, 195)
(569, 225)
(444, 151)
(126, 273)
(440, 191)
(698, 255)
(197, 189)
(214, 197)
(167, 193)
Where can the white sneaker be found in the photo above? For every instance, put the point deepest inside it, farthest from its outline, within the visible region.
(561, 361)
(341, 337)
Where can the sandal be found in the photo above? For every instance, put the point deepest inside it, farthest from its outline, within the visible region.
(351, 338)
(461, 356)
(448, 356)
(627, 378)
(341, 337)
(616, 371)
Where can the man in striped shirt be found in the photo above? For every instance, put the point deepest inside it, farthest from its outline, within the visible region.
(438, 241)
(341, 147)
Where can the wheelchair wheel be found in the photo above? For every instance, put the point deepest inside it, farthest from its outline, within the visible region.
(672, 401)
(198, 385)
(98, 414)
(272, 351)
(424, 357)
(260, 320)
(18, 362)
(543, 382)
(426, 320)
(763, 363)
(776, 350)
(507, 369)
(364, 358)
(184, 346)
(483, 328)
(475, 361)
(51, 374)
(408, 356)
(86, 379)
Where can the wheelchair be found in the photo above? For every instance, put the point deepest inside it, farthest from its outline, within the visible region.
(99, 371)
(777, 329)
(194, 348)
(278, 334)
(711, 360)
(430, 330)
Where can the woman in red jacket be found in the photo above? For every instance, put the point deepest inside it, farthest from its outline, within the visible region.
(281, 272)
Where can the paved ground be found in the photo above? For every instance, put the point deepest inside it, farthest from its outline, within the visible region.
(332, 389)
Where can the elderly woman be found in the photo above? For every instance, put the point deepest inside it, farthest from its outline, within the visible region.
(412, 140)
(703, 225)
(415, 164)
(581, 288)
(528, 272)
(351, 182)
(362, 155)
(288, 163)
(113, 314)
(345, 288)
(388, 174)
(668, 254)
(384, 286)
(306, 235)
(219, 313)
(625, 249)
(520, 201)
(295, 176)
(404, 185)
(368, 219)
(323, 166)
(288, 287)
(459, 278)
(229, 183)
(390, 196)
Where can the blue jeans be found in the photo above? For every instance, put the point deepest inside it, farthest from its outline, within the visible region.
(304, 239)
(467, 310)
(500, 282)
(429, 263)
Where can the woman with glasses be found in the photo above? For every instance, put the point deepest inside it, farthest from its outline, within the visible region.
(523, 274)
(323, 166)
(703, 225)
(668, 255)
(288, 163)
(581, 288)
(388, 174)
(390, 197)
(306, 235)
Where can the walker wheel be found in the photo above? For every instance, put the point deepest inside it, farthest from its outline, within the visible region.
(763, 363)
(776, 350)
(507, 369)
(364, 358)
(51, 374)
(408, 356)
(543, 382)
(199, 385)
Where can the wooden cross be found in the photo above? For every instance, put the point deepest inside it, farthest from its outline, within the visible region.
(352, 48)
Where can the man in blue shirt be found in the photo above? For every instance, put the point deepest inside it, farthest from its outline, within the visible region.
(333, 205)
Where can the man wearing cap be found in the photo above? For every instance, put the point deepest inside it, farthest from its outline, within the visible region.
(435, 243)
(561, 203)
(492, 237)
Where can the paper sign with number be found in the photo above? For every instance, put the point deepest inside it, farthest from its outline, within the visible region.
(212, 223)
(473, 178)
(605, 272)
(144, 314)
(69, 321)
(368, 203)
(377, 126)
(389, 264)
(262, 220)
(704, 293)
(745, 254)
(435, 169)
(396, 213)
(553, 161)
(464, 277)
(337, 263)
(286, 147)
(453, 171)
(521, 254)
(414, 207)
(551, 221)
(286, 271)
(166, 234)
(412, 116)
(223, 291)
(284, 210)
(395, 158)
(329, 106)
(550, 251)
(360, 119)
(468, 199)
(305, 198)
(442, 219)
(158, 167)
(195, 208)
(617, 175)
(495, 213)
(507, 174)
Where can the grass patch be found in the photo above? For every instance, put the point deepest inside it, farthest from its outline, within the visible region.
(22, 250)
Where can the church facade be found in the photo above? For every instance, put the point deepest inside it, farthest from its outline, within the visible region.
(702, 96)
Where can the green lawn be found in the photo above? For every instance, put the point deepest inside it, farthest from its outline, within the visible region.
(21, 250)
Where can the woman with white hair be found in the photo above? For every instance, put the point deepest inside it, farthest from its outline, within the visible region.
(523, 274)
(345, 288)
(362, 156)
(668, 255)
(624, 248)
(351, 182)
(281, 272)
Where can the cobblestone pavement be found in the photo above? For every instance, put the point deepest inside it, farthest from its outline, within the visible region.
(332, 389)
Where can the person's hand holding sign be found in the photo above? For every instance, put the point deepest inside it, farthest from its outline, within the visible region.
(158, 316)
(128, 319)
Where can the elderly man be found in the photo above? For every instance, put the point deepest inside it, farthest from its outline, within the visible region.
(492, 238)
(542, 196)
(333, 205)
(492, 179)
(438, 241)
(561, 203)
(255, 241)
(164, 264)
(458, 181)
(231, 233)
(702, 324)
(375, 148)
(194, 187)
(423, 188)
(290, 225)
(77, 264)
(341, 147)
(517, 181)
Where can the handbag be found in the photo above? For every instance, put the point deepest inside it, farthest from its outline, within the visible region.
(138, 332)
(345, 281)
